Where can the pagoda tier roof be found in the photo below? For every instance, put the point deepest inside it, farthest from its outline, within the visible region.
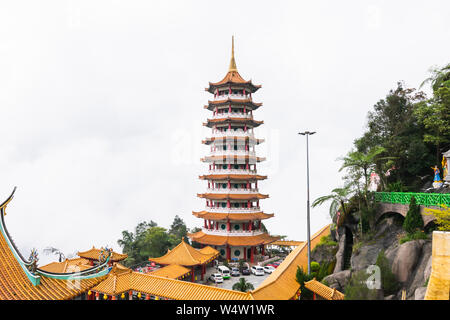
(172, 271)
(252, 141)
(287, 243)
(233, 79)
(18, 283)
(235, 102)
(250, 122)
(323, 290)
(281, 283)
(67, 266)
(94, 253)
(185, 255)
(226, 159)
(117, 283)
(231, 196)
(232, 177)
(215, 240)
(232, 216)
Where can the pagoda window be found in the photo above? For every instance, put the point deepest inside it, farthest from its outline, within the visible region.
(236, 166)
(224, 204)
(236, 186)
(223, 226)
(236, 227)
(237, 253)
(236, 205)
(235, 147)
(224, 166)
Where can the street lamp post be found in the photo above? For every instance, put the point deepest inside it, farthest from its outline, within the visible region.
(307, 133)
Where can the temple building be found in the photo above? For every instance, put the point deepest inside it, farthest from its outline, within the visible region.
(232, 215)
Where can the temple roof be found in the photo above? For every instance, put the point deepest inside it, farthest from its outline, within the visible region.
(67, 266)
(172, 271)
(232, 77)
(226, 102)
(245, 177)
(165, 287)
(233, 216)
(215, 240)
(250, 122)
(323, 290)
(185, 255)
(15, 282)
(94, 253)
(225, 139)
(281, 284)
(287, 243)
(231, 196)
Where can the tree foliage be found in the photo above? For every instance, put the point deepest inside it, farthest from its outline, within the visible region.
(413, 220)
(442, 217)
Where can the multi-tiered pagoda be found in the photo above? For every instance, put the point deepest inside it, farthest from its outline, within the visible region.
(232, 216)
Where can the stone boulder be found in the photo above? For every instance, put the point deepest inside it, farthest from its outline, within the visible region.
(365, 256)
(419, 293)
(406, 258)
(338, 280)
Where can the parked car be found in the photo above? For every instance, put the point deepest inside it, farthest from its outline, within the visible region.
(245, 271)
(268, 269)
(224, 272)
(216, 278)
(257, 270)
(235, 272)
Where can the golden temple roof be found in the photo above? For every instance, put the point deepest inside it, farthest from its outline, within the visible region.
(94, 253)
(15, 284)
(215, 240)
(185, 255)
(164, 287)
(282, 284)
(232, 177)
(172, 271)
(287, 243)
(232, 216)
(323, 290)
(67, 266)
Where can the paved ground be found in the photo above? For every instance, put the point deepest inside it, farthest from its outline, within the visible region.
(228, 284)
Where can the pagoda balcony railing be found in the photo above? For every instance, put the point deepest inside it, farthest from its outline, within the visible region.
(232, 232)
(232, 210)
(232, 190)
(425, 199)
(232, 96)
(232, 115)
(233, 133)
(232, 153)
(231, 171)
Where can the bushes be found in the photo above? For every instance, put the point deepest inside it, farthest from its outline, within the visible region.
(301, 278)
(413, 220)
(418, 235)
(389, 283)
(326, 241)
(357, 289)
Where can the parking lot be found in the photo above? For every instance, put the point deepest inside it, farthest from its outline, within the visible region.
(228, 284)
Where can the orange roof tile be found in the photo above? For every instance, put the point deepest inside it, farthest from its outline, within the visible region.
(172, 271)
(324, 291)
(252, 123)
(164, 287)
(15, 284)
(67, 266)
(233, 216)
(282, 284)
(287, 243)
(255, 240)
(226, 196)
(94, 254)
(185, 255)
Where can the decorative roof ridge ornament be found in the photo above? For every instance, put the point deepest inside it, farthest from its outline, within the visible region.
(232, 67)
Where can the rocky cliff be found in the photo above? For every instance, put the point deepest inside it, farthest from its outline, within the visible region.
(410, 262)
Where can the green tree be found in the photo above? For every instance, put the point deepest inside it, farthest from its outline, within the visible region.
(389, 282)
(413, 220)
(156, 243)
(338, 198)
(301, 278)
(177, 231)
(357, 288)
(243, 286)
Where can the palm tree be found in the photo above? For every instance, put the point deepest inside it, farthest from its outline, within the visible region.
(243, 285)
(438, 77)
(338, 197)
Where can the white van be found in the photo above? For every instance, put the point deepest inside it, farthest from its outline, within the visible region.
(224, 271)
(257, 270)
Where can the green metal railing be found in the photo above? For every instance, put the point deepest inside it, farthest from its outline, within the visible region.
(425, 199)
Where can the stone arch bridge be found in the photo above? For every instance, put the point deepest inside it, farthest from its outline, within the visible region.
(398, 202)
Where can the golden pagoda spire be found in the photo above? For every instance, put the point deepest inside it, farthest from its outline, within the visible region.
(232, 62)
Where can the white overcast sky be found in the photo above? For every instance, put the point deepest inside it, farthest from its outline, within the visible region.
(102, 103)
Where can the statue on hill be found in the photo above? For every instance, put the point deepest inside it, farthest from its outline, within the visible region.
(437, 181)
